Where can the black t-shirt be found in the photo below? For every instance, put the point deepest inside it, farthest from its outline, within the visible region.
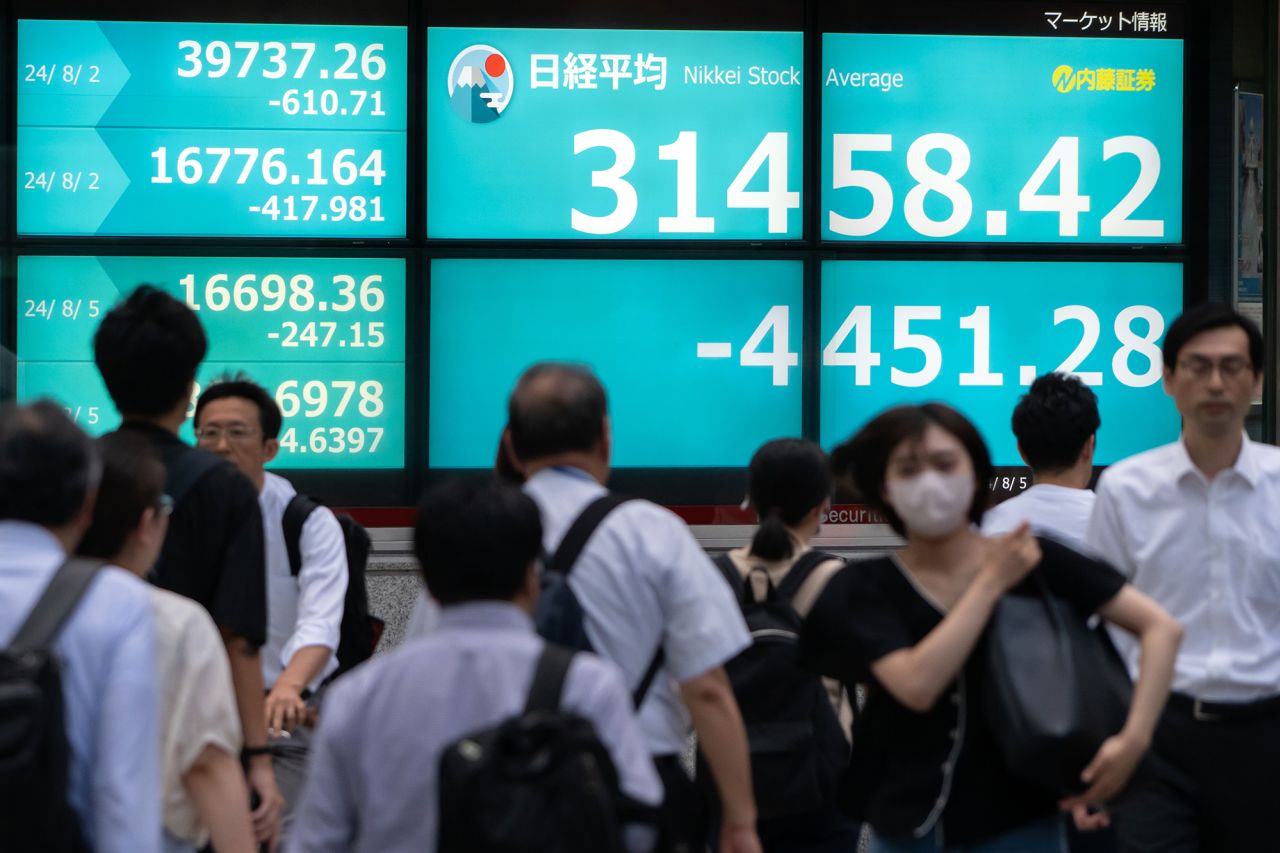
(214, 552)
(910, 770)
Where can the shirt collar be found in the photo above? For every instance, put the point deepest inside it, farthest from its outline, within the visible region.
(1246, 464)
(24, 534)
(490, 615)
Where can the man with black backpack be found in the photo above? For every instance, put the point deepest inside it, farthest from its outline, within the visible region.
(479, 737)
(148, 348)
(79, 751)
(627, 579)
(308, 577)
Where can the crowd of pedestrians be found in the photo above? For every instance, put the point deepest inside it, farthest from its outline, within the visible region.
(1064, 671)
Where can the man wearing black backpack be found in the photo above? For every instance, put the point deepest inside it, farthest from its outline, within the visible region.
(79, 749)
(148, 348)
(479, 737)
(238, 420)
(628, 580)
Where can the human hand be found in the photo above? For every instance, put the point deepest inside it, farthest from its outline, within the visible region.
(1108, 772)
(1008, 558)
(266, 816)
(1089, 821)
(740, 839)
(286, 708)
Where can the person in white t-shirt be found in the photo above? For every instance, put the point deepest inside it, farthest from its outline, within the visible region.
(205, 799)
(1056, 424)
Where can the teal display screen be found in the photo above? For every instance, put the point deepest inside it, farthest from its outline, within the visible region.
(583, 134)
(700, 358)
(975, 334)
(1018, 139)
(194, 129)
(326, 336)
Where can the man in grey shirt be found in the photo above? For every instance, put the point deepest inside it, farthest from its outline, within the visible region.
(374, 778)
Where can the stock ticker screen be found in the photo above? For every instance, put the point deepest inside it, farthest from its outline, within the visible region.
(386, 223)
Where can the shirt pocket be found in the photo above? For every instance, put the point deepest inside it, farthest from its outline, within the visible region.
(1262, 571)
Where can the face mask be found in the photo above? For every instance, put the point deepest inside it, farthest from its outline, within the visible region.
(932, 504)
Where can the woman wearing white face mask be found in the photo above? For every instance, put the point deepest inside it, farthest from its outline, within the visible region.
(927, 774)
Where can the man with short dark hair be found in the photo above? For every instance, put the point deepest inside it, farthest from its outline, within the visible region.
(48, 482)
(373, 782)
(645, 585)
(147, 349)
(1196, 526)
(240, 421)
(1056, 423)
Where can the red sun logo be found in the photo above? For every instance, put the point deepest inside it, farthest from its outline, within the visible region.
(495, 65)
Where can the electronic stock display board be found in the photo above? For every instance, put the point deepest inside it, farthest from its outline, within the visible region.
(745, 239)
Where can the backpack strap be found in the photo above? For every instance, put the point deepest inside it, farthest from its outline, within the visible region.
(570, 547)
(296, 513)
(189, 469)
(642, 689)
(548, 679)
(56, 603)
(729, 570)
(800, 572)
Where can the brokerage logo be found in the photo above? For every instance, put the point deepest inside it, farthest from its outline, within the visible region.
(1068, 79)
(480, 83)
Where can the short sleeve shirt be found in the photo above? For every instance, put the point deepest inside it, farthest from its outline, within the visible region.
(214, 552)
(910, 771)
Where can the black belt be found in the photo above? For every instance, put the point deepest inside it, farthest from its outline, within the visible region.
(1222, 712)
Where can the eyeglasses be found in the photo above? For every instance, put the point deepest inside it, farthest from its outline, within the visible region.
(236, 433)
(1231, 367)
(164, 506)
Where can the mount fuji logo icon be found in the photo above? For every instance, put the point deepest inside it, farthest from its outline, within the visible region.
(480, 84)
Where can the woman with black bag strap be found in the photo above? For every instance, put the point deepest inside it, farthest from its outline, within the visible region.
(929, 771)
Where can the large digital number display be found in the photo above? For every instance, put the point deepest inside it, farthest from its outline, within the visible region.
(700, 358)
(1001, 139)
(325, 335)
(975, 334)
(545, 133)
(246, 130)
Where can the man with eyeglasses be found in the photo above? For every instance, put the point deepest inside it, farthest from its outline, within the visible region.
(1196, 525)
(240, 421)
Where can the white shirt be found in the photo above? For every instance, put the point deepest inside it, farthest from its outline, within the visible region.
(1209, 553)
(643, 579)
(1055, 511)
(306, 610)
(197, 703)
(372, 783)
(110, 703)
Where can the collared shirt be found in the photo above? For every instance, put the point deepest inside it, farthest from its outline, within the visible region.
(213, 551)
(306, 610)
(642, 579)
(197, 704)
(1209, 553)
(373, 783)
(1056, 511)
(109, 692)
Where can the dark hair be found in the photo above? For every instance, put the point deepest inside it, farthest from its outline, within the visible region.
(865, 457)
(504, 467)
(48, 465)
(1206, 318)
(147, 349)
(475, 539)
(787, 479)
(555, 408)
(241, 386)
(1053, 420)
(133, 479)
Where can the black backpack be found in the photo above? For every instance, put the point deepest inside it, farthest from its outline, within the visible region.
(35, 815)
(540, 782)
(559, 617)
(798, 747)
(359, 633)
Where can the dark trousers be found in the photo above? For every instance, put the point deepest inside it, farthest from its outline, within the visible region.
(823, 831)
(684, 813)
(1206, 787)
(1097, 841)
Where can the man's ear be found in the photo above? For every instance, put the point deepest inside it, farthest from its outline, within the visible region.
(270, 450)
(1022, 455)
(1090, 447)
(606, 439)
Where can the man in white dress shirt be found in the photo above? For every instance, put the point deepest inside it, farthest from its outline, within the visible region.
(239, 420)
(644, 584)
(1056, 423)
(1196, 525)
